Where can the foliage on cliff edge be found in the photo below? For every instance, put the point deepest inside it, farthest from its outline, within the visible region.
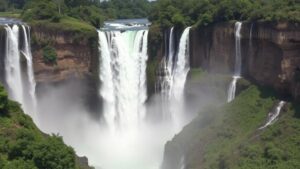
(23, 146)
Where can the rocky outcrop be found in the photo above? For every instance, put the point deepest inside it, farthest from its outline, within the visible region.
(76, 57)
(77, 62)
(271, 57)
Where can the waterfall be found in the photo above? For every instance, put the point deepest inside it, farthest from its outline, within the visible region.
(251, 32)
(13, 63)
(182, 163)
(30, 74)
(171, 78)
(238, 62)
(182, 66)
(179, 75)
(273, 115)
(15, 81)
(232, 88)
(171, 50)
(123, 76)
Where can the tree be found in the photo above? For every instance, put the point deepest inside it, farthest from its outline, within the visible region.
(3, 100)
(59, 4)
(3, 5)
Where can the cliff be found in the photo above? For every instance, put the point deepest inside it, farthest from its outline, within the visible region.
(77, 53)
(227, 136)
(77, 59)
(270, 58)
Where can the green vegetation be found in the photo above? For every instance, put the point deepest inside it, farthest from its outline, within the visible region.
(196, 74)
(165, 13)
(83, 16)
(49, 55)
(276, 147)
(228, 136)
(23, 146)
(41, 10)
(203, 12)
(10, 14)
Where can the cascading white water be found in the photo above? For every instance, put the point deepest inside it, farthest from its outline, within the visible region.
(13, 64)
(122, 73)
(172, 76)
(171, 50)
(123, 89)
(13, 69)
(179, 76)
(272, 116)
(182, 66)
(164, 76)
(232, 89)
(238, 62)
(32, 84)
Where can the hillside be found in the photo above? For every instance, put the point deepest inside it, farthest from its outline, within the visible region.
(228, 136)
(24, 146)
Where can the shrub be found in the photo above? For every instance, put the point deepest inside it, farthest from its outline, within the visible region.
(20, 164)
(49, 55)
(3, 100)
(41, 10)
(53, 154)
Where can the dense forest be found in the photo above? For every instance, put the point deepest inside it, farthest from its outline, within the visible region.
(163, 12)
(84, 15)
(24, 146)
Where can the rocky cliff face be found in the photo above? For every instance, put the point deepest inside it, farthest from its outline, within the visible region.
(76, 57)
(271, 56)
(77, 62)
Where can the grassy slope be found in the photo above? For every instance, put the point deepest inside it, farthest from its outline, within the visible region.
(10, 14)
(24, 146)
(68, 24)
(227, 137)
(277, 147)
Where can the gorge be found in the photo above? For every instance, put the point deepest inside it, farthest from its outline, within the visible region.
(96, 97)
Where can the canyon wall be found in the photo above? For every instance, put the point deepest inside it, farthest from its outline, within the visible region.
(77, 55)
(270, 58)
(77, 62)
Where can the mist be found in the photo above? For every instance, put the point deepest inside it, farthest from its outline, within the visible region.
(63, 110)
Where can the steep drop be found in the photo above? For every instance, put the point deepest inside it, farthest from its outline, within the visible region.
(238, 62)
(122, 74)
(21, 86)
(13, 64)
(26, 51)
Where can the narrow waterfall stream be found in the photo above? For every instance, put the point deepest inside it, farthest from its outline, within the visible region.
(273, 115)
(238, 62)
(26, 51)
(13, 63)
(171, 50)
